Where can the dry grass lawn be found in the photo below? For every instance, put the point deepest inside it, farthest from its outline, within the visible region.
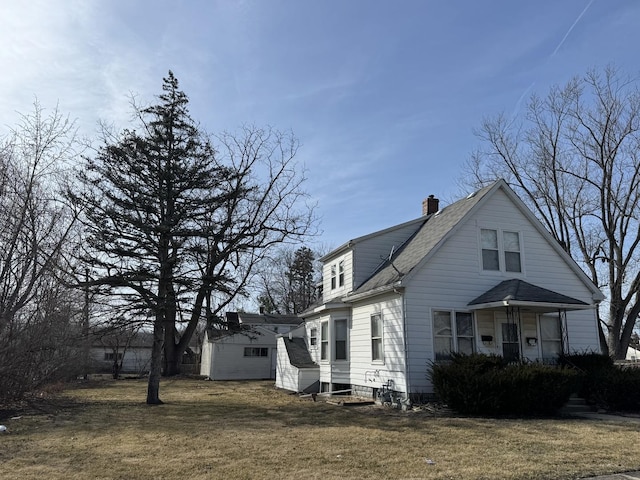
(249, 430)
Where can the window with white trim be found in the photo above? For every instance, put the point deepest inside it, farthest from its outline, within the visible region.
(341, 273)
(501, 250)
(324, 341)
(511, 242)
(340, 339)
(377, 345)
(313, 337)
(333, 277)
(490, 252)
(452, 332)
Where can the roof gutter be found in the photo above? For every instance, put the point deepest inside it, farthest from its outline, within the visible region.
(373, 292)
(532, 305)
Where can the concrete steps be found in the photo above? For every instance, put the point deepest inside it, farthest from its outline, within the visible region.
(575, 405)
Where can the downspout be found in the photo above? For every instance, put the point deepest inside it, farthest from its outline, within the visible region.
(407, 377)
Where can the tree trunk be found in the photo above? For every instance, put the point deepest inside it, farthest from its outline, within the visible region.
(153, 388)
(172, 355)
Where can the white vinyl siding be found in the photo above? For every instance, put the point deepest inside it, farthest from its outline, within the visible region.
(364, 370)
(454, 276)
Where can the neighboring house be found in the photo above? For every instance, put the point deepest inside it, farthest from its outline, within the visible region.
(129, 351)
(246, 347)
(481, 275)
(633, 354)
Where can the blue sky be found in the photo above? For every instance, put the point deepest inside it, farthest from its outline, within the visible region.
(384, 96)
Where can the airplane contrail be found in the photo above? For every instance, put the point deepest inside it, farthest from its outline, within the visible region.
(571, 28)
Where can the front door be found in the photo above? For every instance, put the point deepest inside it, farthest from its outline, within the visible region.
(510, 341)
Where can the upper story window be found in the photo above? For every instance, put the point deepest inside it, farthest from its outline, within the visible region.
(511, 251)
(333, 277)
(500, 250)
(341, 273)
(313, 337)
(490, 253)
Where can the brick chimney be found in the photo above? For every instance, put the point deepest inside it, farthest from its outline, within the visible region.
(430, 205)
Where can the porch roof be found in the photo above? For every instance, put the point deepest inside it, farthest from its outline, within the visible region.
(518, 293)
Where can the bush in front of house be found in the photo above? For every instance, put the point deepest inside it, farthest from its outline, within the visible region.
(593, 369)
(618, 390)
(486, 385)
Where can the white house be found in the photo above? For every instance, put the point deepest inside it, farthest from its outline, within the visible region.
(481, 275)
(633, 354)
(245, 348)
(124, 351)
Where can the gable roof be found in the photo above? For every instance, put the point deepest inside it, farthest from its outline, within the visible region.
(431, 234)
(518, 293)
(434, 232)
(298, 354)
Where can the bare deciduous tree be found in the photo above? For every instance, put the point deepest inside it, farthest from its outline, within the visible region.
(287, 281)
(574, 158)
(36, 311)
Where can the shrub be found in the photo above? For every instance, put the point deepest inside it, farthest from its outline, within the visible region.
(481, 384)
(617, 388)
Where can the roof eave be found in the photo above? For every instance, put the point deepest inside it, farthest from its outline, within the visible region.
(546, 306)
(394, 287)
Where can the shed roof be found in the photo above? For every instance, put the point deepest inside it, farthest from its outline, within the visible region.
(298, 354)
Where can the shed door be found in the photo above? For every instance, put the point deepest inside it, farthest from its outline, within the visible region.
(274, 361)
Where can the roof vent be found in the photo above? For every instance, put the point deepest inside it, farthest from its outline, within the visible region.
(472, 194)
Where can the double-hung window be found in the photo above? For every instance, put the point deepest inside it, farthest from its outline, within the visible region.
(511, 242)
(490, 252)
(452, 332)
(377, 346)
(340, 337)
(333, 277)
(324, 341)
(313, 337)
(341, 273)
(500, 250)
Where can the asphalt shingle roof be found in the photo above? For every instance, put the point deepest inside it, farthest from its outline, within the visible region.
(298, 354)
(521, 291)
(429, 235)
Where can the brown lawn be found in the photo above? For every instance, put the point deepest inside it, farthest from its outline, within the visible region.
(250, 430)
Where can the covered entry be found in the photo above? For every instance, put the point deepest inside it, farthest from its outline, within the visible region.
(521, 321)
